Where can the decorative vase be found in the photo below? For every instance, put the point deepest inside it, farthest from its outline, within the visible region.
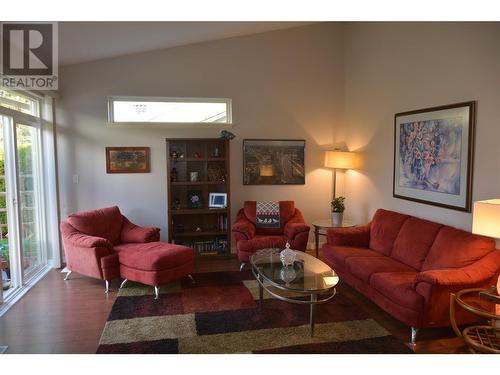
(337, 218)
(287, 256)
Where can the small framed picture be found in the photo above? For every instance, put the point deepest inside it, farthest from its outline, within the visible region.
(217, 200)
(194, 199)
(127, 160)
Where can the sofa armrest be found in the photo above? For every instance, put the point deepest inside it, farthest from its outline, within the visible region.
(79, 239)
(132, 233)
(244, 226)
(295, 225)
(483, 270)
(355, 236)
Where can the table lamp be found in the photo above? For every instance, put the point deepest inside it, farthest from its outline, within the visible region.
(338, 159)
(486, 221)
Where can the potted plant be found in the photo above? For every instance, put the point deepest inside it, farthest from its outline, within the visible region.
(338, 209)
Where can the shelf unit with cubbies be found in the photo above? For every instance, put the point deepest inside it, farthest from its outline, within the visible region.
(191, 221)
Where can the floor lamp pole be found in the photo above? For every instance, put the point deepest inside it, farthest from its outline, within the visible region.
(334, 181)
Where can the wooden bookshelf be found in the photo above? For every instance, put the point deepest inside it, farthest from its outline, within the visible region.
(205, 229)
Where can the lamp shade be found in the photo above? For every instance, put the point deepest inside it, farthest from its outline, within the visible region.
(341, 159)
(486, 218)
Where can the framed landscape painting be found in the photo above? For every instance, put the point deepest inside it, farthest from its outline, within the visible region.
(127, 160)
(273, 162)
(433, 155)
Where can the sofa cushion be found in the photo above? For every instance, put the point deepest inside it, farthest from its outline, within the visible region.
(399, 288)
(153, 256)
(103, 222)
(384, 229)
(337, 255)
(414, 241)
(261, 242)
(364, 267)
(455, 248)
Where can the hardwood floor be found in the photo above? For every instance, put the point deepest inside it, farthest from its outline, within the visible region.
(68, 317)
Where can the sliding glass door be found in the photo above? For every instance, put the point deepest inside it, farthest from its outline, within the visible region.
(22, 243)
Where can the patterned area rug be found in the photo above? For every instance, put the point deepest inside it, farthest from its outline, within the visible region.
(221, 313)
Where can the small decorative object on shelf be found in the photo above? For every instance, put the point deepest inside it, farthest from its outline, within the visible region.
(197, 155)
(338, 209)
(224, 134)
(287, 256)
(193, 176)
(173, 175)
(194, 199)
(177, 204)
(216, 152)
(197, 229)
(174, 155)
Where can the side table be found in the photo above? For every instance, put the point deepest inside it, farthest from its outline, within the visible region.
(322, 226)
(479, 338)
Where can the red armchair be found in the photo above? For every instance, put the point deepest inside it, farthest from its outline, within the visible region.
(250, 238)
(89, 237)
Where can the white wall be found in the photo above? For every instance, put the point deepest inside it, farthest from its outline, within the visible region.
(284, 84)
(326, 83)
(397, 67)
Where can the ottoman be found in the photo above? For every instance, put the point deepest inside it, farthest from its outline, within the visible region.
(154, 263)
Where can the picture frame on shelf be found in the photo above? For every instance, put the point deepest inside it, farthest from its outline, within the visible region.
(217, 200)
(195, 199)
(274, 162)
(433, 155)
(128, 160)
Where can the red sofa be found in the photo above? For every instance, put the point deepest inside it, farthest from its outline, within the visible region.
(105, 245)
(249, 238)
(409, 266)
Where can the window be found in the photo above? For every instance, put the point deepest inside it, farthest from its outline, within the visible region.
(19, 102)
(169, 110)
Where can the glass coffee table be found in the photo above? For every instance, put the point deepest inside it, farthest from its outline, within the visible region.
(308, 282)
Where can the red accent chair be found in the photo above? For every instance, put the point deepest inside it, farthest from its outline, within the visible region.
(105, 245)
(249, 238)
(409, 266)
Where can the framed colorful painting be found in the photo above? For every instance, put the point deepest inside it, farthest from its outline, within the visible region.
(127, 160)
(433, 155)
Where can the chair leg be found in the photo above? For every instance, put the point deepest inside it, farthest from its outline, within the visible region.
(123, 283)
(414, 332)
(66, 278)
(157, 292)
(242, 266)
(106, 289)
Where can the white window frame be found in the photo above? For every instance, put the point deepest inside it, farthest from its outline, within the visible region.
(206, 125)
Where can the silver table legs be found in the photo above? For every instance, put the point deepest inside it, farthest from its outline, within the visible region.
(106, 289)
(157, 292)
(123, 283)
(66, 278)
(312, 314)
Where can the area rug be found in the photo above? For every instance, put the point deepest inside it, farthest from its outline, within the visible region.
(221, 313)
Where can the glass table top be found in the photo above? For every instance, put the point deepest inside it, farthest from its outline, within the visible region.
(327, 223)
(308, 274)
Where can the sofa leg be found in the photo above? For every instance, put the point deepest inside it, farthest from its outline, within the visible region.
(191, 278)
(66, 278)
(123, 283)
(414, 332)
(106, 288)
(242, 266)
(157, 292)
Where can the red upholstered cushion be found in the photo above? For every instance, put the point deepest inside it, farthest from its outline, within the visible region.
(398, 287)
(287, 210)
(455, 248)
(414, 241)
(364, 267)
(153, 256)
(104, 222)
(261, 242)
(384, 229)
(339, 254)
